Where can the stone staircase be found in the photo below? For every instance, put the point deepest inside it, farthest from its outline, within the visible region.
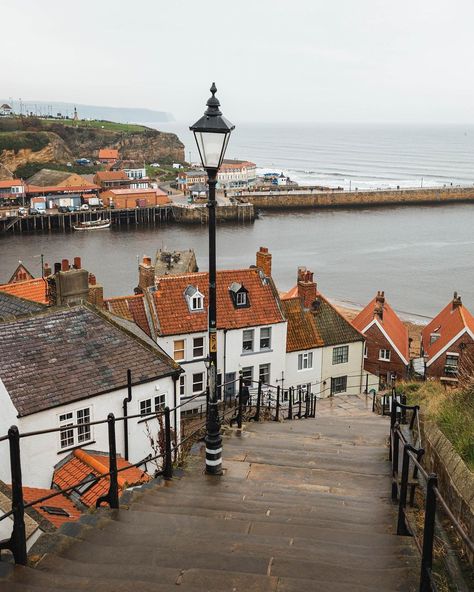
(303, 505)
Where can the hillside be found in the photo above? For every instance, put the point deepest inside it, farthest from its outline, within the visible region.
(34, 140)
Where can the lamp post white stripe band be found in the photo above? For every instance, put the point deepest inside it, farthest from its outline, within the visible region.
(216, 451)
(213, 463)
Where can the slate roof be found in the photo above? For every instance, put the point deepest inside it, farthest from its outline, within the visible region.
(81, 464)
(35, 290)
(70, 354)
(12, 306)
(173, 317)
(391, 323)
(131, 308)
(448, 323)
(302, 333)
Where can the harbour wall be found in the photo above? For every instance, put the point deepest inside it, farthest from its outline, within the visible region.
(298, 199)
(199, 214)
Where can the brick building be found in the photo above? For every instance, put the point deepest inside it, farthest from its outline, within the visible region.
(447, 343)
(386, 351)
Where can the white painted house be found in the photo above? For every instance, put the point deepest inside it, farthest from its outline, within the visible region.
(324, 351)
(69, 366)
(250, 321)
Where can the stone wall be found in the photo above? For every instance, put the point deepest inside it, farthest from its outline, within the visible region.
(355, 199)
(455, 480)
(198, 214)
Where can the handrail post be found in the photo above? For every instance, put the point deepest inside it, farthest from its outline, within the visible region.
(413, 417)
(395, 462)
(112, 496)
(403, 401)
(401, 523)
(306, 409)
(290, 403)
(313, 406)
(239, 416)
(277, 411)
(168, 464)
(259, 400)
(373, 400)
(299, 403)
(17, 542)
(428, 534)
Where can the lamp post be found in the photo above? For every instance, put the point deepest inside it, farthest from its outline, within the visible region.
(212, 133)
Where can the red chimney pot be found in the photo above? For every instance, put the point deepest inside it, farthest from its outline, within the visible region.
(65, 265)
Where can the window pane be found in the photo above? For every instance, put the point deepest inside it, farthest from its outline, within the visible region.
(340, 355)
(83, 432)
(265, 338)
(198, 382)
(179, 350)
(247, 341)
(160, 402)
(67, 438)
(264, 373)
(247, 373)
(145, 407)
(182, 386)
(198, 347)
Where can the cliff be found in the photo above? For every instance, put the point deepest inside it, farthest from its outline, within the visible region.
(32, 140)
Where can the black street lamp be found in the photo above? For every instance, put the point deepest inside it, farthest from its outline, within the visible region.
(212, 133)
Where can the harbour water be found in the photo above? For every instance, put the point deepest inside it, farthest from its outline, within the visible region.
(418, 255)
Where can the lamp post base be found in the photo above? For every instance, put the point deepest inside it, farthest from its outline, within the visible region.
(213, 442)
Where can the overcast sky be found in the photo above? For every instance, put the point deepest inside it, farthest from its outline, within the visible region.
(272, 60)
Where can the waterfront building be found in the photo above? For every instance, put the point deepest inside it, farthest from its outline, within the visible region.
(132, 198)
(135, 171)
(66, 366)
(232, 174)
(337, 366)
(112, 179)
(12, 189)
(386, 353)
(447, 343)
(108, 155)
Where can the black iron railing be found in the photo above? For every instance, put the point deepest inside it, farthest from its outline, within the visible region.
(407, 474)
(263, 397)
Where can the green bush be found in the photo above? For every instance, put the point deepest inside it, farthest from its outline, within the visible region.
(23, 140)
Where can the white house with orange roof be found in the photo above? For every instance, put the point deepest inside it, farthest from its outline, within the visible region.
(386, 353)
(250, 321)
(447, 342)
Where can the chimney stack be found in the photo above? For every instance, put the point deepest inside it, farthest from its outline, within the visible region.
(65, 265)
(379, 304)
(57, 268)
(264, 261)
(456, 301)
(307, 288)
(146, 274)
(96, 292)
(77, 263)
(46, 270)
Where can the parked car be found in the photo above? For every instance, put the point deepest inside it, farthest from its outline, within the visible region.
(22, 211)
(33, 212)
(63, 209)
(85, 207)
(72, 208)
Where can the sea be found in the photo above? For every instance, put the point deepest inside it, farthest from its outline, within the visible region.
(419, 255)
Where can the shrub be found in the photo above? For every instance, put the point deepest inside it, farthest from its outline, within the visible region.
(23, 140)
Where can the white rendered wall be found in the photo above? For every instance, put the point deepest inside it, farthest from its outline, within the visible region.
(294, 377)
(353, 369)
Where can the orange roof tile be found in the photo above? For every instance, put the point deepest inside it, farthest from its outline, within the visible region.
(448, 323)
(302, 332)
(395, 329)
(60, 501)
(35, 290)
(108, 153)
(11, 183)
(131, 308)
(174, 316)
(111, 176)
(81, 464)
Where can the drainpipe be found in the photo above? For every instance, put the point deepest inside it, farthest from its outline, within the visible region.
(125, 403)
(175, 416)
(224, 365)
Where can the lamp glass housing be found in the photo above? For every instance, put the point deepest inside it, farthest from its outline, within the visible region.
(212, 147)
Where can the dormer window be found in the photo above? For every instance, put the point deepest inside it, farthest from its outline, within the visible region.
(239, 295)
(194, 298)
(434, 337)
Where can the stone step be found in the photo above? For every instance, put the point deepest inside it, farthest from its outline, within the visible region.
(335, 521)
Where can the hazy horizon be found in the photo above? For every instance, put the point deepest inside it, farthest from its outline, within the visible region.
(305, 61)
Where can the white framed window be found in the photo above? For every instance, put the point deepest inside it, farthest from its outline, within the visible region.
(340, 355)
(198, 382)
(265, 338)
(338, 385)
(264, 373)
(145, 407)
(247, 340)
(182, 385)
(366, 350)
(241, 298)
(153, 404)
(434, 337)
(384, 355)
(198, 347)
(247, 374)
(178, 350)
(451, 365)
(305, 361)
(197, 302)
(160, 402)
(69, 436)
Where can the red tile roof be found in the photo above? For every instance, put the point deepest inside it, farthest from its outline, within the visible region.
(174, 316)
(451, 321)
(21, 274)
(302, 333)
(131, 308)
(35, 290)
(60, 501)
(108, 153)
(111, 176)
(144, 191)
(80, 464)
(11, 183)
(394, 328)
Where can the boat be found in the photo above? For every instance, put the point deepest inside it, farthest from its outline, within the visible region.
(98, 224)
